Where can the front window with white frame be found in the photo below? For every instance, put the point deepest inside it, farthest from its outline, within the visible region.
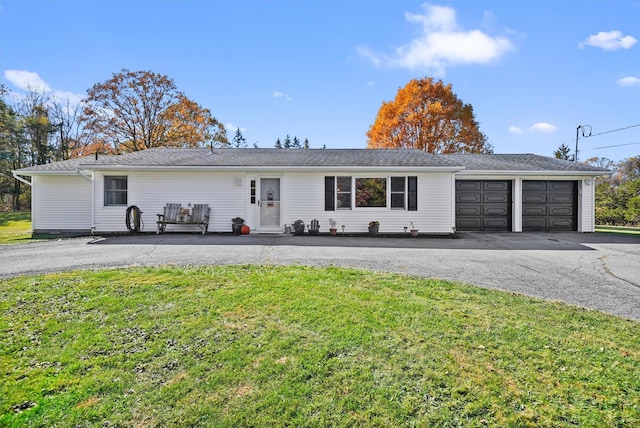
(115, 190)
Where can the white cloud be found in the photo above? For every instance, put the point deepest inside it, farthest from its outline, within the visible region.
(278, 94)
(515, 130)
(29, 80)
(25, 80)
(609, 41)
(233, 128)
(370, 55)
(543, 127)
(443, 43)
(628, 81)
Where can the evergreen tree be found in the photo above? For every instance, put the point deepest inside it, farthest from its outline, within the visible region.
(239, 142)
(306, 143)
(287, 142)
(278, 144)
(563, 153)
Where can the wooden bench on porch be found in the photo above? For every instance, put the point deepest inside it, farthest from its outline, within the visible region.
(176, 214)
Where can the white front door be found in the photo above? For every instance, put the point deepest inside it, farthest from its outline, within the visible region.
(269, 205)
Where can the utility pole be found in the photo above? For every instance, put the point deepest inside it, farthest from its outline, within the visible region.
(575, 156)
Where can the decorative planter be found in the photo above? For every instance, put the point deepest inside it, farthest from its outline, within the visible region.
(373, 230)
(333, 231)
(236, 228)
(298, 227)
(414, 232)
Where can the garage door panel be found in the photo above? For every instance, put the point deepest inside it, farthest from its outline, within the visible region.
(496, 198)
(560, 223)
(558, 186)
(468, 210)
(561, 199)
(472, 186)
(534, 198)
(553, 209)
(495, 186)
(483, 205)
(534, 210)
(497, 223)
(468, 223)
(534, 185)
(471, 198)
(534, 223)
(495, 211)
(566, 211)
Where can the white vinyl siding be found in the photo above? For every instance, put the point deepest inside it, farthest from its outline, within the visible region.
(61, 204)
(303, 198)
(151, 191)
(586, 205)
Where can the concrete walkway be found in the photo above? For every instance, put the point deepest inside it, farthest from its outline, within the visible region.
(596, 271)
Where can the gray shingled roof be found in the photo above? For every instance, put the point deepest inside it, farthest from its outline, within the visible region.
(287, 158)
(517, 162)
(162, 157)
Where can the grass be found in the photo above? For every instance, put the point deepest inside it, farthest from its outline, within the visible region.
(15, 227)
(619, 229)
(297, 346)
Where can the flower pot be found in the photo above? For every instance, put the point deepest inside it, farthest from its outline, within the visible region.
(414, 232)
(373, 230)
(333, 231)
(236, 228)
(298, 227)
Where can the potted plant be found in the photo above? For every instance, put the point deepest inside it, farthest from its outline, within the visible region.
(236, 225)
(373, 227)
(414, 231)
(333, 226)
(298, 227)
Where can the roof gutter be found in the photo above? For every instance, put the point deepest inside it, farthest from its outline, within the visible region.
(532, 173)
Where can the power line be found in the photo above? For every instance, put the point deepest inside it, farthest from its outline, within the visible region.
(614, 130)
(608, 132)
(616, 145)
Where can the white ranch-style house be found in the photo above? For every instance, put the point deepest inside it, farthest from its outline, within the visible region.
(272, 188)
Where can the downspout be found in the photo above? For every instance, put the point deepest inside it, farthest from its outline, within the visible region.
(88, 177)
(22, 180)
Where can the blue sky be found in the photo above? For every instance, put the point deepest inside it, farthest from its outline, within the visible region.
(533, 70)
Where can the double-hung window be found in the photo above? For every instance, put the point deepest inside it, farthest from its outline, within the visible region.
(115, 190)
(343, 192)
(398, 192)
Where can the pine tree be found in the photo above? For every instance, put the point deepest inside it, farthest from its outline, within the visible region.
(563, 153)
(239, 142)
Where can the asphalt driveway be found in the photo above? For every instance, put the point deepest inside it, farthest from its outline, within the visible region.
(595, 271)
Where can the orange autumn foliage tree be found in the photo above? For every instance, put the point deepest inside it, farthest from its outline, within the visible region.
(138, 110)
(427, 115)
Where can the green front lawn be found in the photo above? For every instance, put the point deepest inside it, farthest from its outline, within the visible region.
(619, 229)
(297, 346)
(15, 227)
